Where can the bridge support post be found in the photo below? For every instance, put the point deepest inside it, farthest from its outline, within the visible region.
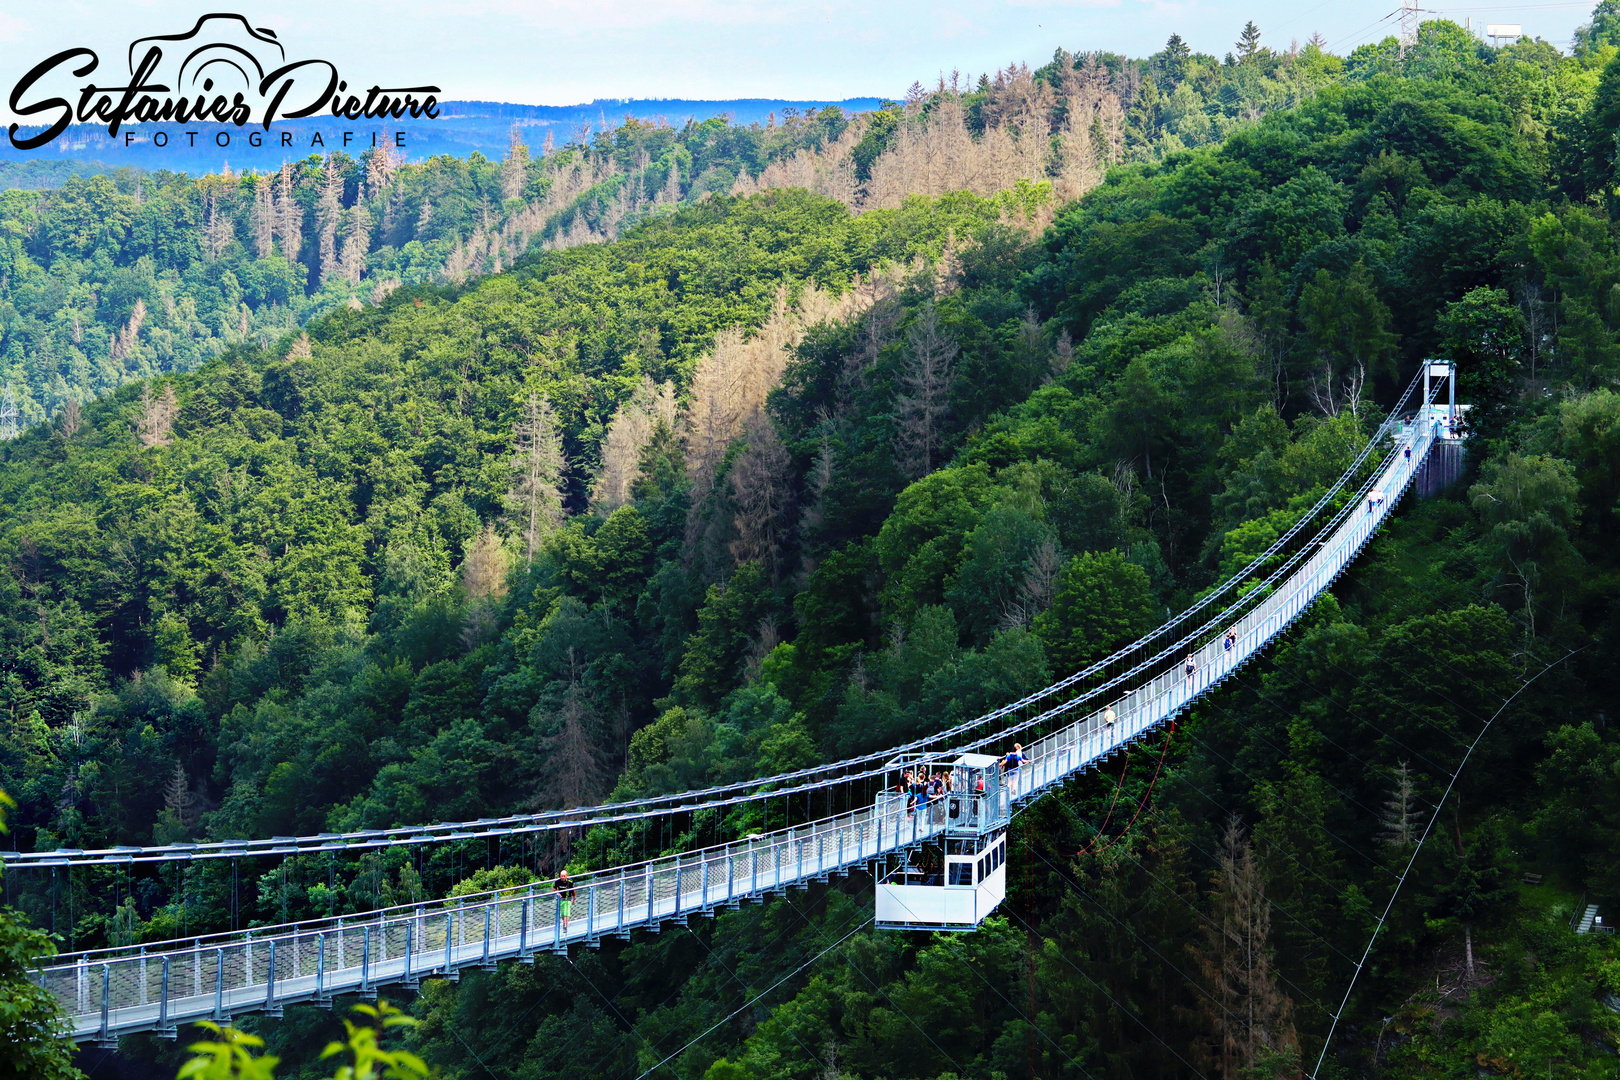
(365, 960)
(219, 987)
(450, 971)
(165, 1030)
(678, 920)
(623, 933)
(409, 981)
(592, 938)
(105, 1039)
(523, 933)
(322, 998)
(270, 1006)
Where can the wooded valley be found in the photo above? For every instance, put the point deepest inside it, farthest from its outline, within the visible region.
(368, 493)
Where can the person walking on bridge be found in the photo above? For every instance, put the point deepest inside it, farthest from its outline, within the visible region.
(1108, 722)
(1010, 764)
(564, 888)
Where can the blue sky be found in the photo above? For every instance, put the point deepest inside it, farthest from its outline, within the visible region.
(563, 51)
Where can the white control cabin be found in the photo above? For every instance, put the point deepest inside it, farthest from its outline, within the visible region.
(950, 886)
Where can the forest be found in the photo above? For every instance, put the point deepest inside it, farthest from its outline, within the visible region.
(675, 457)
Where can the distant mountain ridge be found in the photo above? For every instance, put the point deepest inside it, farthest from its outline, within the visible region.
(463, 127)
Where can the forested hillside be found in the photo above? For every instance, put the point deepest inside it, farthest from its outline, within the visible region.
(806, 467)
(134, 274)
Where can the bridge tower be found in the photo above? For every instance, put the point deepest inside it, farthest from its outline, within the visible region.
(1447, 457)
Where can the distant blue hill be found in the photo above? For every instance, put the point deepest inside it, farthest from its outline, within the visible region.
(463, 127)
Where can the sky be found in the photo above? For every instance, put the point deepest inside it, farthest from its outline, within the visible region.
(559, 52)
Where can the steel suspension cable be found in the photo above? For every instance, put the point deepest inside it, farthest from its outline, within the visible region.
(766, 787)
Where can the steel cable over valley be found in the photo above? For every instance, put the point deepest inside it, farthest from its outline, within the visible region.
(814, 778)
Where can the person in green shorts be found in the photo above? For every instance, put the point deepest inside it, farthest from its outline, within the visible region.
(565, 892)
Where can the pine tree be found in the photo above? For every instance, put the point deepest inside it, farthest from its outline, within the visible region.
(219, 231)
(264, 217)
(289, 215)
(356, 243)
(1248, 42)
(575, 775)
(483, 575)
(327, 212)
(8, 415)
(921, 406)
(381, 164)
(179, 799)
(483, 568)
(538, 469)
(761, 480)
(1249, 1018)
(515, 166)
(628, 434)
(1401, 819)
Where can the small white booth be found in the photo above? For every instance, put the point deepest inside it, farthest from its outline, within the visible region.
(953, 876)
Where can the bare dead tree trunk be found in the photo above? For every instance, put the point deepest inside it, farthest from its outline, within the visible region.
(760, 490)
(538, 468)
(327, 213)
(921, 406)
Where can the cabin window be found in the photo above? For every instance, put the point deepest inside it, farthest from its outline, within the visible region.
(961, 873)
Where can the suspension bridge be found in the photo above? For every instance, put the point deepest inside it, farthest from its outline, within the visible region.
(1070, 727)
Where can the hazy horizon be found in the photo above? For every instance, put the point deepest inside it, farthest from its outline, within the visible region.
(567, 52)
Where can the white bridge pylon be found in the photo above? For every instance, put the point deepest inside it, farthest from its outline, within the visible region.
(155, 987)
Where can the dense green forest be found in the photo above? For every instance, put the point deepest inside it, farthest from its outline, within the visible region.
(133, 274)
(816, 459)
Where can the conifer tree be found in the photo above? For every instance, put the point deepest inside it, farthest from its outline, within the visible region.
(327, 212)
(761, 480)
(1401, 818)
(535, 499)
(356, 243)
(289, 216)
(1248, 42)
(1250, 1019)
(922, 404)
(515, 166)
(264, 217)
(629, 432)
